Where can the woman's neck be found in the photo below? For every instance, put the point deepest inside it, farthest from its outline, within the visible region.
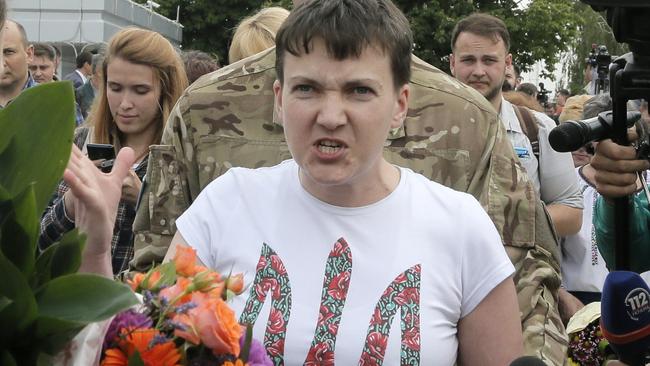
(139, 143)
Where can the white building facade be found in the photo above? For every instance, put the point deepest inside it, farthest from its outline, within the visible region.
(78, 25)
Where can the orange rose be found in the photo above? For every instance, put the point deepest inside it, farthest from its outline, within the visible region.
(136, 281)
(185, 260)
(235, 283)
(145, 281)
(173, 293)
(214, 323)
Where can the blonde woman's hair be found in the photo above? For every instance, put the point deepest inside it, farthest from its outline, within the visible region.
(256, 33)
(142, 47)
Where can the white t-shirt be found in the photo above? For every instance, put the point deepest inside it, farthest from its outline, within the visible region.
(396, 274)
(583, 268)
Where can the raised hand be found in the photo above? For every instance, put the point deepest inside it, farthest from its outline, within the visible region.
(93, 198)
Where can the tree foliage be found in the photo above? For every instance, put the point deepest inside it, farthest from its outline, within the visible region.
(593, 29)
(540, 31)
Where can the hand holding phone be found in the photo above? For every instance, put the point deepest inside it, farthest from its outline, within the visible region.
(103, 152)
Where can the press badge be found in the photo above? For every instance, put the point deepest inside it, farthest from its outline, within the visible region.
(522, 152)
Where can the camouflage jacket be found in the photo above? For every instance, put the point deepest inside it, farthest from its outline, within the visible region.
(451, 135)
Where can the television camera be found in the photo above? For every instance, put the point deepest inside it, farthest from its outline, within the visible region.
(599, 60)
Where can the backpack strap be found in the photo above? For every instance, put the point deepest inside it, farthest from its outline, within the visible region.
(529, 127)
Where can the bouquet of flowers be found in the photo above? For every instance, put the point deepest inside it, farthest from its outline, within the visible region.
(184, 320)
(587, 345)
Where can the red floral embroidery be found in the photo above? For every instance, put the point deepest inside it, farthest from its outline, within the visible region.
(325, 314)
(338, 288)
(276, 348)
(261, 264)
(277, 265)
(376, 345)
(320, 354)
(408, 295)
(376, 318)
(276, 322)
(266, 285)
(411, 338)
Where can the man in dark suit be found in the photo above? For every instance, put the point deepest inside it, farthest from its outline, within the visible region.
(80, 75)
(85, 94)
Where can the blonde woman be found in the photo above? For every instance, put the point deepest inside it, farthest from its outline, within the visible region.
(142, 77)
(256, 33)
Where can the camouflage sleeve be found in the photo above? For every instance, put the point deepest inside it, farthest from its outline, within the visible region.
(453, 136)
(167, 192)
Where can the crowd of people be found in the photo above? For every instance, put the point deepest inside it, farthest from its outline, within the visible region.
(347, 178)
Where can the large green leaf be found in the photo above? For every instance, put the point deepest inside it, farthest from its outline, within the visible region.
(59, 259)
(83, 298)
(19, 230)
(21, 313)
(52, 334)
(6, 359)
(37, 129)
(4, 302)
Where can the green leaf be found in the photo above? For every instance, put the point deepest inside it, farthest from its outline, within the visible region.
(38, 127)
(21, 313)
(59, 259)
(246, 349)
(6, 359)
(52, 335)
(135, 359)
(67, 257)
(4, 302)
(19, 230)
(167, 274)
(83, 298)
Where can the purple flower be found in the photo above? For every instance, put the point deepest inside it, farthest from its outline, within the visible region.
(257, 354)
(125, 319)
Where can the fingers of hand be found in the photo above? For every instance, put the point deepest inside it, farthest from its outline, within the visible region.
(123, 162)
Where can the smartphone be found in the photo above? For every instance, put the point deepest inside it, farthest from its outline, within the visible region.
(100, 151)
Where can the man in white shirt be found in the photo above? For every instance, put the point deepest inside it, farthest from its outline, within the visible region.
(480, 56)
(480, 45)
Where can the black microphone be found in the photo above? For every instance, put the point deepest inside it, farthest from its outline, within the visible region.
(527, 361)
(572, 135)
(625, 316)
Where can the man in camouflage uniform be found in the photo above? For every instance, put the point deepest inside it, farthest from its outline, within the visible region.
(451, 135)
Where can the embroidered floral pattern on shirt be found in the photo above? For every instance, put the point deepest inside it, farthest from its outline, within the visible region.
(338, 271)
(271, 277)
(402, 294)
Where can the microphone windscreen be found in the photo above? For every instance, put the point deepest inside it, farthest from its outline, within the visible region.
(527, 361)
(625, 315)
(566, 137)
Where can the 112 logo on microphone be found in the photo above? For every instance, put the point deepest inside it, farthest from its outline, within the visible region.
(636, 303)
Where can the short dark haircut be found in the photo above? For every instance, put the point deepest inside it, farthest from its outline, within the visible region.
(564, 92)
(84, 57)
(484, 25)
(44, 50)
(198, 63)
(347, 27)
(528, 88)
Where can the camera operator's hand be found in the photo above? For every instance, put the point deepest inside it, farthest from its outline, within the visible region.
(616, 167)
